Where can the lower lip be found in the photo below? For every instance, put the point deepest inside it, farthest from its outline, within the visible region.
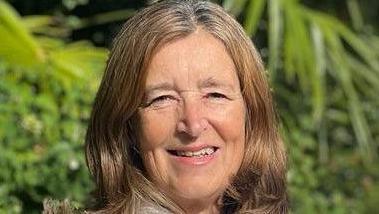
(196, 161)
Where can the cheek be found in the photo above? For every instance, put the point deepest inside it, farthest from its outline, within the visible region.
(230, 124)
(156, 128)
(155, 132)
(231, 128)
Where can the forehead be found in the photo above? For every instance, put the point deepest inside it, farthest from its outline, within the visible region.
(197, 56)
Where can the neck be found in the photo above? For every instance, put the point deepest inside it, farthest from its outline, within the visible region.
(200, 207)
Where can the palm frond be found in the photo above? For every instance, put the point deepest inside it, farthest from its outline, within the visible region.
(17, 45)
(274, 32)
(234, 6)
(309, 46)
(253, 16)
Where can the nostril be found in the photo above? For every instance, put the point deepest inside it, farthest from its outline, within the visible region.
(191, 117)
(192, 128)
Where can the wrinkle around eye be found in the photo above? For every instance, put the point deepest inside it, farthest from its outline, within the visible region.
(216, 98)
(161, 101)
(219, 99)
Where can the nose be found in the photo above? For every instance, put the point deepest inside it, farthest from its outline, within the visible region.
(191, 119)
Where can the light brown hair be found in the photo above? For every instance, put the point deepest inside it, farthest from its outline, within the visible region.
(112, 142)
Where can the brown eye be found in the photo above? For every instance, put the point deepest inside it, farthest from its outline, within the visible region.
(162, 98)
(161, 101)
(216, 95)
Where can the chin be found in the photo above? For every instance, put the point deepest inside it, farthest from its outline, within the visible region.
(197, 190)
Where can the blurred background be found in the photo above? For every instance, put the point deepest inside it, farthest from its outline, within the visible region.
(322, 58)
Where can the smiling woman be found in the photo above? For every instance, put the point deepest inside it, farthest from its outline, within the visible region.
(183, 121)
(190, 145)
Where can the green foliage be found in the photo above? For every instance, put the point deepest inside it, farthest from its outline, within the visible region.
(325, 78)
(324, 74)
(46, 90)
(51, 206)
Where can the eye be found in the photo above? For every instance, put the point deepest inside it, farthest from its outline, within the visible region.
(160, 101)
(216, 95)
(162, 98)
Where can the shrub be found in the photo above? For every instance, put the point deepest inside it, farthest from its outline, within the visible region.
(46, 90)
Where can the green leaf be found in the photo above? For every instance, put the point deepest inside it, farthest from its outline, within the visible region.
(319, 65)
(355, 14)
(36, 21)
(78, 60)
(358, 119)
(18, 45)
(274, 34)
(253, 16)
(234, 6)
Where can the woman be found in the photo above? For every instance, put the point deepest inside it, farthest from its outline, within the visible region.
(183, 121)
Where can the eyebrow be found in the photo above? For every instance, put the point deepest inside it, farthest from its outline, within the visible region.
(207, 83)
(160, 87)
(213, 83)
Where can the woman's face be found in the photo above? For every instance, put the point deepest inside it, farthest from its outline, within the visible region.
(192, 119)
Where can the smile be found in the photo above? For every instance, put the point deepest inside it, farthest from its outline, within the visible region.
(194, 156)
(200, 153)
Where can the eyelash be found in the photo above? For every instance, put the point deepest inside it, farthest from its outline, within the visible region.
(216, 95)
(162, 98)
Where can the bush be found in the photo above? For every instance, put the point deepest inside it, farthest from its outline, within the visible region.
(324, 75)
(46, 90)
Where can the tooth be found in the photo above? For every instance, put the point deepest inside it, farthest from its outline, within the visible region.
(209, 151)
(197, 153)
(202, 152)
